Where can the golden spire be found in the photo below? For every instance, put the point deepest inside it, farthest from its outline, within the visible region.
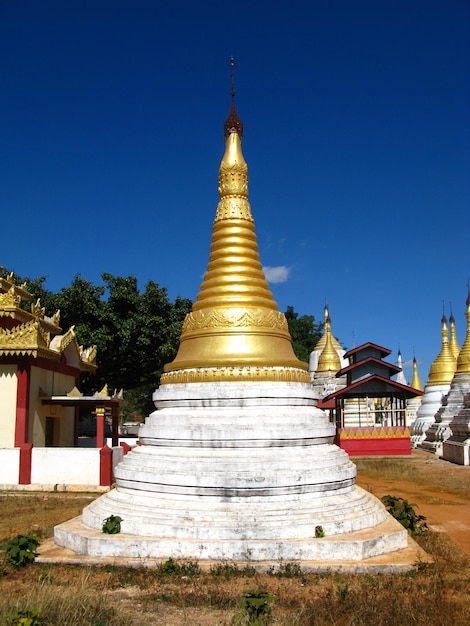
(322, 341)
(453, 344)
(463, 361)
(416, 382)
(443, 369)
(329, 361)
(235, 321)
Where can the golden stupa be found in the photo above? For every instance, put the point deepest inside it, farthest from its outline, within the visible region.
(235, 325)
(237, 463)
(329, 361)
(416, 382)
(453, 343)
(463, 361)
(443, 368)
(322, 341)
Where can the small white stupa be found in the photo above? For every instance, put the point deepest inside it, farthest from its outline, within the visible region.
(400, 377)
(453, 431)
(413, 404)
(439, 430)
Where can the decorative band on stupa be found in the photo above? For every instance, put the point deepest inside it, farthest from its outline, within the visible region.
(235, 331)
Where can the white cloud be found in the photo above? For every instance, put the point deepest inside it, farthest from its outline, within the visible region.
(409, 363)
(279, 274)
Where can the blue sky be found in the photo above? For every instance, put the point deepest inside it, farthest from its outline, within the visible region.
(356, 137)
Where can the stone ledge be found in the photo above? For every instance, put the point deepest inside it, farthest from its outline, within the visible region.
(404, 560)
(386, 541)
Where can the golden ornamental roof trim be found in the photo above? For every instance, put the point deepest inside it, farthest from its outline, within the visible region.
(26, 339)
(8, 282)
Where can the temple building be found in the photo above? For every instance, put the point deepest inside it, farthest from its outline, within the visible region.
(37, 361)
(40, 401)
(440, 377)
(237, 462)
(370, 411)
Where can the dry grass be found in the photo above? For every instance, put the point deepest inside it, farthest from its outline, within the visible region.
(434, 595)
(431, 595)
(425, 469)
(23, 513)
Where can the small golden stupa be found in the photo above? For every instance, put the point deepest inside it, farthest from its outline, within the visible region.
(453, 343)
(329, 361)
(441, 429)
(416, 382)
(463, 360)
(322, 341)
(443, 368)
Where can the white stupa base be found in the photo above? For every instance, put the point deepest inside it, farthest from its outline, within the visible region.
(457, 451)
(386, 538)
(430, 405)
(452, 404)
(457, 448)
(240, 472)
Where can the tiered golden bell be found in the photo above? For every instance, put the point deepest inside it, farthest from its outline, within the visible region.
(235, 321)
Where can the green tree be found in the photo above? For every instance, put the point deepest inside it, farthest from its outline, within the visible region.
(135, 333)
(81, 305)
(304, 332)
(36, 288)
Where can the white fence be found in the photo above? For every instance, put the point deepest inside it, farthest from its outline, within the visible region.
(55, 468)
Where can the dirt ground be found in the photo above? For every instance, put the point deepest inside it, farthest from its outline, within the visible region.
(443, 498)
(438, 489)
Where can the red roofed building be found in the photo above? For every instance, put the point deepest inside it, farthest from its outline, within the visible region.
(370, 412)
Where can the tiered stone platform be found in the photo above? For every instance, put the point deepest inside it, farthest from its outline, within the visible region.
(241, 472)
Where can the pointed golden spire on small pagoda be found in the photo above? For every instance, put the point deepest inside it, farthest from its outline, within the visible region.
(453, 343)
(463, 361)
(322, 341)
(235, 321)
(329, 361)
(416, 382)
(443, 368)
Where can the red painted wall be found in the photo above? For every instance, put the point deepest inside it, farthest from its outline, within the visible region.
(388, 446)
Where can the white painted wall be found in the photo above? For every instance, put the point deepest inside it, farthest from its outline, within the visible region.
(69, 466)
(131, 441)
(8, 394)
(65, 466)
(9, 466)
(56, 466)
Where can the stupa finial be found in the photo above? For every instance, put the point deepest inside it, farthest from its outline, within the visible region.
(233, 123)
